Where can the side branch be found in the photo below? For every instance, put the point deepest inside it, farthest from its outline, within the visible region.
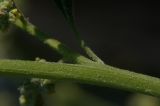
(17, 19)
(10, 14)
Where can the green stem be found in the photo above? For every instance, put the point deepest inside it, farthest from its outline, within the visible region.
(16, 18)
(108, 76)
(83, 44)
(66, 8)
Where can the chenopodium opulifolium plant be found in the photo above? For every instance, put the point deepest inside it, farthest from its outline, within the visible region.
(5, 7)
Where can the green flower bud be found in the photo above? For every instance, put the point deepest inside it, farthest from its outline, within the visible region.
(5, 7)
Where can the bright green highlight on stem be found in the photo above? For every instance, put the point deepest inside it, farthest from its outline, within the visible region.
(108, 76)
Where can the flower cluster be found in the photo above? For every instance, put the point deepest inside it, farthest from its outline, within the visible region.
(5, 7)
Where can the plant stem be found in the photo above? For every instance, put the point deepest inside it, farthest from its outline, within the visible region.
(16, 18)
(66, 8)
(108, 76)
(83, 44)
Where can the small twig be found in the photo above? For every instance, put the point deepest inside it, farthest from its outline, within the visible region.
(10, 14)
(66, 8)
(84, 46)
(16, 18)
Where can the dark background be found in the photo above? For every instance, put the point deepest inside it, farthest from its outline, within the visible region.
(124, 34)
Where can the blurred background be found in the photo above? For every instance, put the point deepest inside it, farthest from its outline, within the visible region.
(124, 34)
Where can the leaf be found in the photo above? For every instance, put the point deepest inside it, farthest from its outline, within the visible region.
(66, 8)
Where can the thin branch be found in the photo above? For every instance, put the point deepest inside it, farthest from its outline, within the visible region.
(16, 18)
(84, 46)
(108, 76)
(10, 14)
(66, 8)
